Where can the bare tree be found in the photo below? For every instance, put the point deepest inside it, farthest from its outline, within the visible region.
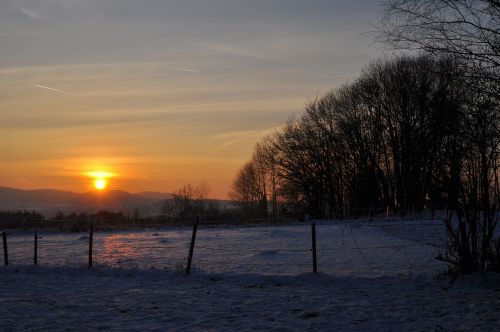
(464, 29)
(469, 32)
(187, 202)
(473, 243)
(249, 192)
(266, 160)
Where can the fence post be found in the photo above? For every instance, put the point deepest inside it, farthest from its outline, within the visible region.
(313, 238)
(5, 251)
(35, 256)
(91, 240)
(191, 247)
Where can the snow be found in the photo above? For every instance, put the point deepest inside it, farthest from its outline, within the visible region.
(373, 276)
(75, 298)
(349, 248)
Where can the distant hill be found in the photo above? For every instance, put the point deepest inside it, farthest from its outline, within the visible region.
(50, 201)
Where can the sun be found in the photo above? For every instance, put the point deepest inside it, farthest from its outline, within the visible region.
(100, 179)
(100, 184)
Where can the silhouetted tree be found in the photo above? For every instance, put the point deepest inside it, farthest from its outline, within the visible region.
(464, 29)
(469, 32)
(248, 190)
(187, 202)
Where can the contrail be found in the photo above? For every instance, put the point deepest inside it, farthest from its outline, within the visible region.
(29, 13)
(49, 88)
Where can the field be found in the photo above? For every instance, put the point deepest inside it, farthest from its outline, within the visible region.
(375, 275)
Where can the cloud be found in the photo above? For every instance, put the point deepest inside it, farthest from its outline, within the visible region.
(48, 88)
(185, 69)
(224, 49)
(233, 137)
(30, 13)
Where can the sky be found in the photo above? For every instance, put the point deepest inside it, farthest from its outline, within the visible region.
(163, 93)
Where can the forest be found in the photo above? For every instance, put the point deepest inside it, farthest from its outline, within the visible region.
(411, 133)
(416, 131)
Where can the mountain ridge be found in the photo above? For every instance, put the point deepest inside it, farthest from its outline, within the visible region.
(50, 201)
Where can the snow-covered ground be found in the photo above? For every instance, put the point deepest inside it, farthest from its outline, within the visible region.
(375, 276)
(53, 299)
(354, 248)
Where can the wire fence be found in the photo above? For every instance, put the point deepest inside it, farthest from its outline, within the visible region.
(354, 248)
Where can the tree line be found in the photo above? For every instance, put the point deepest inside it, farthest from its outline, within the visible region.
(416, 131)
(403, 135)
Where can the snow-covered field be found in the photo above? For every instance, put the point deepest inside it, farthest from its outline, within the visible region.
(355, 248)
(377, 275)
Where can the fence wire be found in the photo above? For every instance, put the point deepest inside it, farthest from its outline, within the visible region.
(361, 248)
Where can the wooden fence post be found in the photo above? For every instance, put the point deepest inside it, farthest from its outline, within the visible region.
(5, 251)
(91, 240)
(35, 251)
(313, 238)
(191, 247)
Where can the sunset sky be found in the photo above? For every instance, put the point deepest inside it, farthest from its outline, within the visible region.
(163, 93)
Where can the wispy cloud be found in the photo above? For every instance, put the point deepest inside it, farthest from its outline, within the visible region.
(93, 66)
(30, 13)
(185, 69)
(231, 50)
(48, 88)
(233, 137)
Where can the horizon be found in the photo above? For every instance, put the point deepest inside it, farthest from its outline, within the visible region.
(86, 192)
(163, 94)
(101, 193)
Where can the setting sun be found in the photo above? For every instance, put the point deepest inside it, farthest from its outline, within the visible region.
(100, 181)
(100, 184)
